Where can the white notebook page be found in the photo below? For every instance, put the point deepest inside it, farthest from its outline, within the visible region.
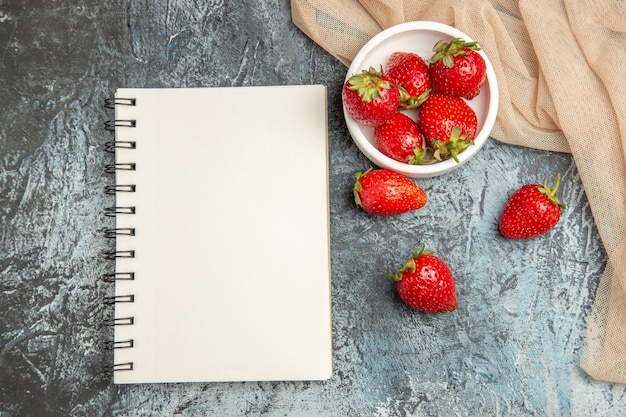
(232, 264)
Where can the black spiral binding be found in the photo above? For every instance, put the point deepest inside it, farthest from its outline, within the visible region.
(120, 321)
(113, 233)
(120, 231)
(111, 168)
(119, 144)
(111, 102)
(118, 276)
(119, 188)
(112, 124)
(112, 255)
(115, 210)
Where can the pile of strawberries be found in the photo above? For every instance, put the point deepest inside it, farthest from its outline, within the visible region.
(446, 125)
(425, 282)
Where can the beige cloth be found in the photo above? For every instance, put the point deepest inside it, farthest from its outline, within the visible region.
(560, 68)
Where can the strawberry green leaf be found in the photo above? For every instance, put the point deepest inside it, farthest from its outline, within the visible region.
(369, 84)
(358, 187)
(455, 48)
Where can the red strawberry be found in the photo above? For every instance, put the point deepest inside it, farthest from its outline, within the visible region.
(410, 73)
(400, 138)
(457, 69)
(531, 211)
(386, 193)
(425, 283)
(370, 97)
(448, 124)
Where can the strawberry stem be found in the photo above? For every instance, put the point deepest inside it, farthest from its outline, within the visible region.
(422, 156)
(455, 48)
(369, 83)
(410, 264)
(421, 250)
(358, 187)
(453, 147)
(408, 102)
(551, 192)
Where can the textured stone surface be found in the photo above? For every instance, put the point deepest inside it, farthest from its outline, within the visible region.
(512, 348)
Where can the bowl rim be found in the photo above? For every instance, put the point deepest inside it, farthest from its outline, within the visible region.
(437, 168)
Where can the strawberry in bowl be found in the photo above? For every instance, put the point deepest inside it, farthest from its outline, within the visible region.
(408, 55)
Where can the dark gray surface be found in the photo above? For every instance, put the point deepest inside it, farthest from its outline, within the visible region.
(512, 347)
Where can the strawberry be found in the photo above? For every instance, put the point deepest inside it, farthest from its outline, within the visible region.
(370, 97)
(400, 138)
(531, 211)
(448, 124)
(457, 69)
(426, 283)
(386, 193)
(410, 73)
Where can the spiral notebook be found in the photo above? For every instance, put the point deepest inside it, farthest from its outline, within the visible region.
(222, 265)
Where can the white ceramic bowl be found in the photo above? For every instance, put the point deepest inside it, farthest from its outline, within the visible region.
(420, 37)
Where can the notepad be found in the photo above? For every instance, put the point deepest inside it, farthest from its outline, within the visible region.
(222, 260)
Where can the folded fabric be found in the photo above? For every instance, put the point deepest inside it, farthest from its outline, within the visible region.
(559, 66)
